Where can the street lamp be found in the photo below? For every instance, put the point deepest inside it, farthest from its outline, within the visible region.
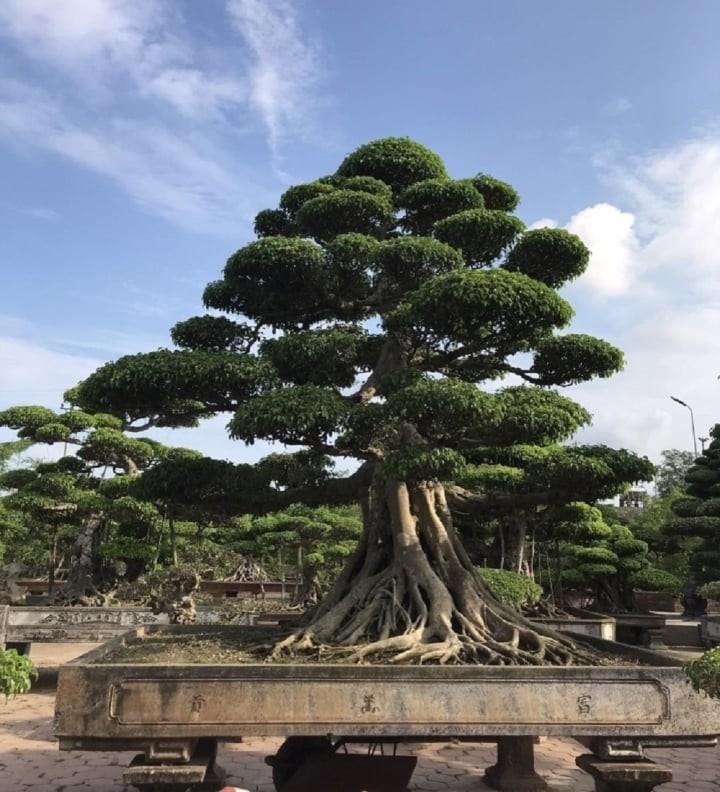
(692, 420)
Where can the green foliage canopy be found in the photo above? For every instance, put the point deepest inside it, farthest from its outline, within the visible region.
(364, 321)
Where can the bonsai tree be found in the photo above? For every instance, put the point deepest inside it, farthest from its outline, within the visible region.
(539, 485)
(614, 567)
(697, 513)
(372, 307)
(318, 539)
(70, 499)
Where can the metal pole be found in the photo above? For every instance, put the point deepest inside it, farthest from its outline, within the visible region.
(692, 421)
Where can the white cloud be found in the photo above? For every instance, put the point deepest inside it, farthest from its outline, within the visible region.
(671, 354)
(655, 264)
(34, 374)
(543, 222)
(610, 235)
(192, 93)
(98, 42)
(161, 170)
(677, 198)
(74, 31)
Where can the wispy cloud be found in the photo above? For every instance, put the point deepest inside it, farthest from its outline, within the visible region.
(132, 92)
(286, 67)
(40, 213)
(90, 341)
(159, 169)
(617, 106)
(102, 43)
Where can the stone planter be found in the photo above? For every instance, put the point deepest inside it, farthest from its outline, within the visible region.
(710, 630)
(167, 711)
(648, 601)
(641, 629)
(22, 625)
(595, 625)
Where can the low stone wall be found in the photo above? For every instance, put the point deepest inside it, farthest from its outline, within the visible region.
(22, 625)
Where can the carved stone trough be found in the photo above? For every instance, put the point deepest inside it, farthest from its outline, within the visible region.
(22, 625)
(175, 714)
(581, 622)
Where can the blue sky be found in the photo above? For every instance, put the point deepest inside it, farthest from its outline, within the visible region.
(138, 138)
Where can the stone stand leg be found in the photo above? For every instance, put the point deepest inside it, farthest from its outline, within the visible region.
(200, 774)
(640, 775)
(515, 767)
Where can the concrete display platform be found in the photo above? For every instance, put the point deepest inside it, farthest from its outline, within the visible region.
(31, 762)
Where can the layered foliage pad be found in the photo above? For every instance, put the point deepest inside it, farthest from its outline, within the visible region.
(381, 295)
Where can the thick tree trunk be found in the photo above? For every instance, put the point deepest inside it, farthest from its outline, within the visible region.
(510, 545)
(410, 594)
(84, 570)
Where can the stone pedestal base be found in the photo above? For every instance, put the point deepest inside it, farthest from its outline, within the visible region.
(639, 775)
(514, 770)
(200, 774)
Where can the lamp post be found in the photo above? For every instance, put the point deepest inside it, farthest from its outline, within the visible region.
(692, 420)
(703, 440)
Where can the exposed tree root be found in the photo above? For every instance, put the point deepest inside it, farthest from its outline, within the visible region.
(410, 595)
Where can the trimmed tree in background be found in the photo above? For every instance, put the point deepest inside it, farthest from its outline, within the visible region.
(613, 567)
(15, 530)
(72, 499)
(698, 513)
(316, 541)
(368, 313)
(533, 484)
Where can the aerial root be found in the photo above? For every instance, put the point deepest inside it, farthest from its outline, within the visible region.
(396, 617)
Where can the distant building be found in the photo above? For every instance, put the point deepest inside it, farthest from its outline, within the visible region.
(632, 499)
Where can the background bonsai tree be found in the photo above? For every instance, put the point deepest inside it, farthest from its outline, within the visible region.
(697, 514)
(370, 310)
(15, 530)
(613, 567)
(315, 540)
(91, 520)
(533, 484)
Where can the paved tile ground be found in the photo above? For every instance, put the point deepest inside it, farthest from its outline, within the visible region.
(31, 762)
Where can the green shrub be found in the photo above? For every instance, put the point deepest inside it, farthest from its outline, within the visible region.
(511, 588)
(704, 672)
(653, 579)
(710, 590)
(17, 673)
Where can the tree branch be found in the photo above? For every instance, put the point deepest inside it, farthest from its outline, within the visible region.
(472, 503)
(391, 358)
(334, 491)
